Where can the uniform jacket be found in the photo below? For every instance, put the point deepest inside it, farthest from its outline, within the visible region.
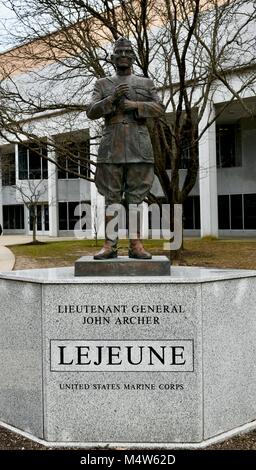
(125, 136)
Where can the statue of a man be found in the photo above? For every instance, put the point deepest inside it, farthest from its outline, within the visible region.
(125, 163)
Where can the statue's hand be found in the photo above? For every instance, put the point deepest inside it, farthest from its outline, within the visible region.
(120, 91)
(128, 105)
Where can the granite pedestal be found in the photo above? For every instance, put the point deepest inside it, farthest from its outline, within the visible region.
(156, 361)
(122, 266)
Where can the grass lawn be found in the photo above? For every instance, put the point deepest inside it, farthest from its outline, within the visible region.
(197, 252)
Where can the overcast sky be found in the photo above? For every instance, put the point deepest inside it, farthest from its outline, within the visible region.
(6, 18)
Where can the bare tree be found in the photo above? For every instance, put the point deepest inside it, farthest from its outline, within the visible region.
(95, 224)
(31, 192)
(191, 48)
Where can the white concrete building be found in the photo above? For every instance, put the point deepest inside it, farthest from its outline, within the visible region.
(222, 203)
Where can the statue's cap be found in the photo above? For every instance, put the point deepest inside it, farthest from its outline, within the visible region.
(122, 42)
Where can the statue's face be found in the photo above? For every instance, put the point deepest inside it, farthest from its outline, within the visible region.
(123, 57)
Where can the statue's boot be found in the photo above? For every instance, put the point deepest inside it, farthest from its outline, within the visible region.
(109, 250)
(136, 250)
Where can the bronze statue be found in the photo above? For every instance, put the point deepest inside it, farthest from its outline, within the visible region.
(125, 163)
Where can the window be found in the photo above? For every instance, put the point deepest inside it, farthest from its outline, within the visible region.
(185, 156)
(31, 163)
(13, 217)
(224, 212)
(188, 213)
(42, 216)
(250, 211)
(46, 216)
(186, 152)
(23, 162)
(185, 140)
(72, 219)
(228, 145)
(237, 212)
(191, 213)
(67, 217)
(63, 216)
(74, 157)
(236, 207)
(8, 169)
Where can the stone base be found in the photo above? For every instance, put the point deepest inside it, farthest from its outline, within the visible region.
(137, 445)
(155, 361)
(122, 266)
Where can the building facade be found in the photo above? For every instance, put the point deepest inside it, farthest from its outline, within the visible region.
(222, 203)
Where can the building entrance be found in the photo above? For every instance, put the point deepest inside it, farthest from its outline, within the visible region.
(42, 214)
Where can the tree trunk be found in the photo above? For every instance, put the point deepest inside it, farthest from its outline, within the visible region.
(96, 238)
(34, 227)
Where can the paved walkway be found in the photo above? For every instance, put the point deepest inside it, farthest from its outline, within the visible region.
(8, 240)
(7, 258)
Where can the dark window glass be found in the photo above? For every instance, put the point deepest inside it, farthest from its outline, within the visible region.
(191, 213)
(72, 166)
(75, 158)
(44, 161)
(13, 217)
(84, 156)
(224, 212)
(19, 216)
(41, 211)
(23, 162)
(62, 161)
(72, 219)
(8, 169)
(31, 217)
(68, 158)
(39, 217)
(86, 220)
(63, 215)
(31, 164)
(67, 218)
(34, 163)
(46, 217)
(6, 217)
(72, 160)
(236, 212)
(250, 211)
(197, 220)
(228, 145)
(188, 213)
(186, 151)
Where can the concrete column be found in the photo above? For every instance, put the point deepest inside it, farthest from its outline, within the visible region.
(53, 194)
(16, 163)
(208, 176)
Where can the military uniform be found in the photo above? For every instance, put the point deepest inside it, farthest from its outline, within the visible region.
(125, 163)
